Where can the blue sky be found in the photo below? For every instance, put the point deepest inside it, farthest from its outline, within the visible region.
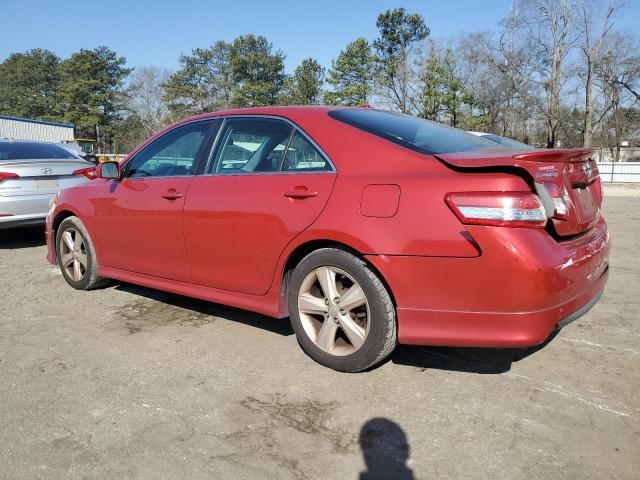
(157, 32)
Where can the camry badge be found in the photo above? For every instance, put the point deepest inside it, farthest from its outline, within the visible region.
(47, 171)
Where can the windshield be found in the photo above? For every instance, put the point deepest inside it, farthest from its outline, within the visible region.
(507, 142)
(33, 151)
(412, 132)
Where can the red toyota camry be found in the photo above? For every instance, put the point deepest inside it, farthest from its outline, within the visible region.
(366, 228)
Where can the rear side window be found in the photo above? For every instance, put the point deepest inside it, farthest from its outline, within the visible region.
(33, 151)
(302, 155)
(252, 145)
(412, 132)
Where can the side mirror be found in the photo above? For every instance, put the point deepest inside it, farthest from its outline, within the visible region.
(108, 170)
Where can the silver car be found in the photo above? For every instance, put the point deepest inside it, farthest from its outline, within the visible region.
(31, 173)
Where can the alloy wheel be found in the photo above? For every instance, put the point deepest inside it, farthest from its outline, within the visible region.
(334, 311)
(73, 254)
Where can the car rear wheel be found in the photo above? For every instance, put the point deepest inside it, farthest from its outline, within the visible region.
(77, 256)
(341, 312)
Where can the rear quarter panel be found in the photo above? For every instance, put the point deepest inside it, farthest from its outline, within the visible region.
(423, 224)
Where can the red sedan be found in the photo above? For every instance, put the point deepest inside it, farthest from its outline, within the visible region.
(366, 228)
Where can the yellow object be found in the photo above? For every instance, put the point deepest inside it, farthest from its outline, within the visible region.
(104, 158)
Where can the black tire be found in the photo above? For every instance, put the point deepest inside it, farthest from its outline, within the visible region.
(382, 336)
(90, 279)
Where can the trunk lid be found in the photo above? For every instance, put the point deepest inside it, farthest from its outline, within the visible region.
(568, 176)
(40, 176)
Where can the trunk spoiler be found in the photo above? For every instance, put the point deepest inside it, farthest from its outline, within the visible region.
(507, 157)
(556, 155)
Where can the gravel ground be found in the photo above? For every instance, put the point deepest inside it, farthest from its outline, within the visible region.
(621, 189)
(127, 382)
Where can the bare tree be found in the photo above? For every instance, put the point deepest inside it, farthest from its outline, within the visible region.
(488, 88)
(516, 61)
(548, 25)
(621, 64)
(618, 72)
(145, 97)
(594, 30)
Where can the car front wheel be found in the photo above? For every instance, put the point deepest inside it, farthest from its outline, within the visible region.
(342, 313)
(76, 255)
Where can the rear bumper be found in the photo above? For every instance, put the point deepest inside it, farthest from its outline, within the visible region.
(582, 310)
(493, 329)
(25, 206)
(522, 286)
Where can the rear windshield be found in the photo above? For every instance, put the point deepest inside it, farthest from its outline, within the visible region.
(32, 151)
(412, 132)
(507, 142)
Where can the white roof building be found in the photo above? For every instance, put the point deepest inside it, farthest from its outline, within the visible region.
(15, 128)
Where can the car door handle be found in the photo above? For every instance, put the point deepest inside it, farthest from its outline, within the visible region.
(300, 193)
(171, 194)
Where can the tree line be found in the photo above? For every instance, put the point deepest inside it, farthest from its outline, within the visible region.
(555, 73)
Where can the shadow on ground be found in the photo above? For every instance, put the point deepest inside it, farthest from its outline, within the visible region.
(385, 450)
(468, 359)
(22, 237)
(204, 308)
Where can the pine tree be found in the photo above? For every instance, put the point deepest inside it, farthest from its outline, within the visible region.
(351, 75)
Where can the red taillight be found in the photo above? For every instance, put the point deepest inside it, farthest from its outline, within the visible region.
(558, 195)
(500, 209)
(597, 186)
(90, 172)
(4, 176)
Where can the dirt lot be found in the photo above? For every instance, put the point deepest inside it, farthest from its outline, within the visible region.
(128, 382)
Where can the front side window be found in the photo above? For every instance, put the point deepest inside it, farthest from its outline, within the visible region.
(252, 145)
(172, 155)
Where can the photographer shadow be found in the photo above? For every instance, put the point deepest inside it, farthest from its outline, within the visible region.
(385, 450)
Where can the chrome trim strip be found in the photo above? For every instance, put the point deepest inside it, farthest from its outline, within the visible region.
(154, 178)
(291, 172)
(217, 139)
